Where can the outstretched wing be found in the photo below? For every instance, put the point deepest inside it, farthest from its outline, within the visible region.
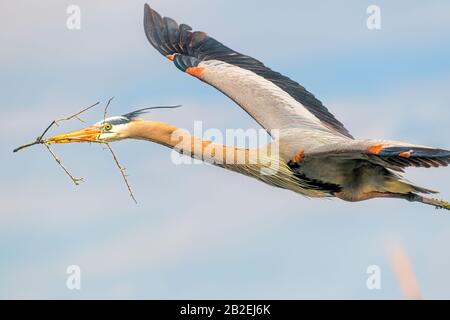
(391, 154)
(273, 100)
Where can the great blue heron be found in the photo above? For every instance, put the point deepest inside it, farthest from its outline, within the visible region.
(317, 156)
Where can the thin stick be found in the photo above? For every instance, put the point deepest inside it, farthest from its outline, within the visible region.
(122, 172)
(116, 160)
(40, 139)
(75, 180)
(28, 145)
(76, 115)
(106, 108)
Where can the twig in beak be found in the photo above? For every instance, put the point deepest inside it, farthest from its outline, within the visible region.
(40, 139)
(75, 180)
(122, 172)
(106, 108)
(76, 116)
(116, 160)
(28, 145)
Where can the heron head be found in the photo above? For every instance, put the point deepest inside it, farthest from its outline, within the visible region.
(107, 130)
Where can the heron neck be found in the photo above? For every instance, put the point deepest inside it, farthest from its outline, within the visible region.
(255, 162)
(181, 141)
(169, 136)
(158, 132)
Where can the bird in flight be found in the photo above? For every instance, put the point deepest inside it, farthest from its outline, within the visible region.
(316, 155)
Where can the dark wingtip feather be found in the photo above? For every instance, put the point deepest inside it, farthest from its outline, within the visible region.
(169, 38)
(416, 156)
(153, 27)
(182, 62)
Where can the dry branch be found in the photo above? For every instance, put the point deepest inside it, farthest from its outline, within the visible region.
(106, 108)
(122, 172)
(75, 180)
(40, 139)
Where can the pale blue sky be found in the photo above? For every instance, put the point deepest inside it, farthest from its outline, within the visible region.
(199, 231)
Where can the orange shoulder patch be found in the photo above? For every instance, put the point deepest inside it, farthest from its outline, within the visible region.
(375, 149)
(170, 57)
(298, 157)
(195, 71)
(405, 154)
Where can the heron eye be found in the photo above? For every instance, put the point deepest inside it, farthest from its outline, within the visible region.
(108, 126)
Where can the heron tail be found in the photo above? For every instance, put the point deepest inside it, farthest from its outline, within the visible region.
(399, 187)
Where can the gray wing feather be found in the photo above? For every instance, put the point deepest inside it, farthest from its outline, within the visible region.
(168, 38)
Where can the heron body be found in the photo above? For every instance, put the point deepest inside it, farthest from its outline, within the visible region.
(315, 154)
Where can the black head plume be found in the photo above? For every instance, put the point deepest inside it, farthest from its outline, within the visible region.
(136, 113)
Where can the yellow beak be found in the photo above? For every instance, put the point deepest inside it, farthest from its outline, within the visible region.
(89, 134)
